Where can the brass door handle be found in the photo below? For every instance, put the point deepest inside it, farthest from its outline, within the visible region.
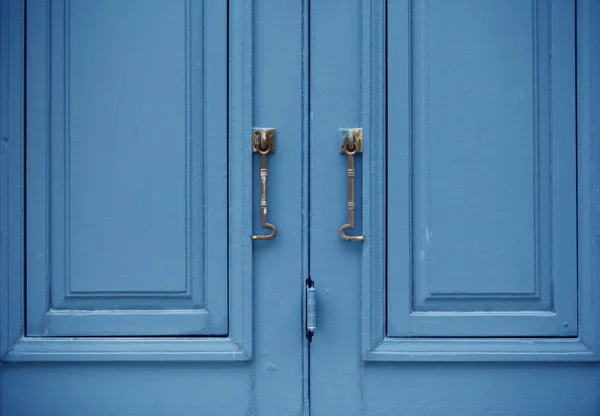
(263, 142)
(351, 146)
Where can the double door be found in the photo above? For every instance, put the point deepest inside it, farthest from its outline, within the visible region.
(417, 159)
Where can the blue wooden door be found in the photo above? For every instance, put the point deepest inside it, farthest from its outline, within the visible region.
(432, 178)
(140, 290)
(466, 296)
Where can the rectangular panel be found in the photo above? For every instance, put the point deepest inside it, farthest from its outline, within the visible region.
(491, 220)
(125, 191)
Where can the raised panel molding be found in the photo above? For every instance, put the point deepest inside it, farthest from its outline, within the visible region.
(491, 172)
(12, 182)
(377, 344)
(115, 249)
(234, 347)
(537, 295)
(185, 286)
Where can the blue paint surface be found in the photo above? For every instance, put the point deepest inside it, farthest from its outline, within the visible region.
(161, 210)
(121, 169)
(478, 243)
(129, 283)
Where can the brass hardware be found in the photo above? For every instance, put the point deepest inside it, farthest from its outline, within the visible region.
(311, 309)
(263, 142)
(351, 145)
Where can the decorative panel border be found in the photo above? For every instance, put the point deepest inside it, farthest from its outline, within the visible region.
(55, 306)
(14, 345)
(12, 170)
(376, 346)
(540, 296)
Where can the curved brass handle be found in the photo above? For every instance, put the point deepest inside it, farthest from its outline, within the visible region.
(263, 142)
(351, 146)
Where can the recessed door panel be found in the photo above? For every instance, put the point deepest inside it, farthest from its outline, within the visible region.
(127, 170)
(486, 206)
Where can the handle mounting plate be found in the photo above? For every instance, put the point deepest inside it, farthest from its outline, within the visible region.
(349, 137)
(263, 141)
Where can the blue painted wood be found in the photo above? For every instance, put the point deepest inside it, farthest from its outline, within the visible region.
(110, 349)
(278, 101)
(375, 344)
(491, 171)
(482, 350)
(240, 105)
(588, 167)
(438, 375)
(4, 97)
(305, 203)
(126, 191)
(463, 389)
(347, 277)
(188, 389)
(12, 175)
(264, 281)
(240, 288)
(335, 103)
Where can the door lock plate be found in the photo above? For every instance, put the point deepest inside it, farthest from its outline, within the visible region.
(263, 141)
(351, 139)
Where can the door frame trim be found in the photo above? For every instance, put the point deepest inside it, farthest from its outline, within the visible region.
(14, 346)
(376, 345)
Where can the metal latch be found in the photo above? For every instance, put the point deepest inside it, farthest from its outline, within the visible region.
(352, 145)
(311, 309)
(263, 142)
